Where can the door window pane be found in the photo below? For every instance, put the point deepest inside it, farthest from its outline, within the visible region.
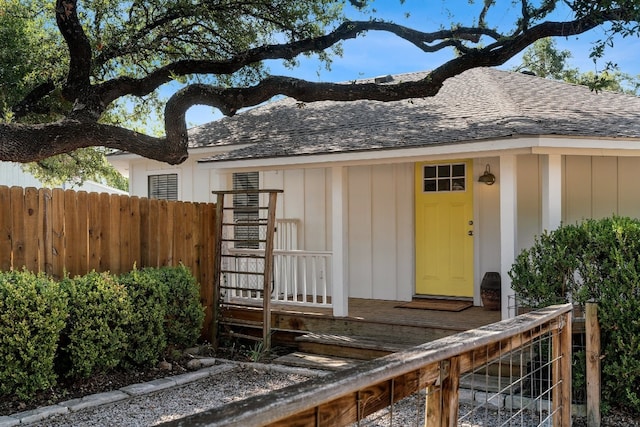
(439, 178)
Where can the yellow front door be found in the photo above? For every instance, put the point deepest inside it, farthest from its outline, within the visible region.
(444, 228)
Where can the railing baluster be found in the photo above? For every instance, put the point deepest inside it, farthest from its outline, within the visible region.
(303, 274)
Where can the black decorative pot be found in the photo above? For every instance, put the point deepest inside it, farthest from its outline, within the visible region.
(490, 290)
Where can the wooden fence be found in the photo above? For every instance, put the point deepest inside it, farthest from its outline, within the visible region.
(62, 231)
(349, 396)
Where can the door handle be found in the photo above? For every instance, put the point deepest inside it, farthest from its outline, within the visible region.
(470, 232)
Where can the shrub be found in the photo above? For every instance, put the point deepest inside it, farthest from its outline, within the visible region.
(32, 314)
(95, 338)
(146, 335)
(185, 313)
(597, 260)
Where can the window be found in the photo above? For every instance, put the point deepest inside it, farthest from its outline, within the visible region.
(440, 178)
(246, 209)
(163, 186)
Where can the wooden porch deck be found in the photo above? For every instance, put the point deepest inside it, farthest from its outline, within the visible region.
(372, 329)
(388, 313)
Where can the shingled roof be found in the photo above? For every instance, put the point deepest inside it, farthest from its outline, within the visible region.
(479, 104)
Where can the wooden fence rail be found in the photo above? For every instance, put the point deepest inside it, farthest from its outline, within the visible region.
(66, 232)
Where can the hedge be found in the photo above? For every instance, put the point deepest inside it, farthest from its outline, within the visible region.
(596, 260)
(88, 324)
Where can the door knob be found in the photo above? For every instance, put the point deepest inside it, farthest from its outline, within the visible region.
(470, 232)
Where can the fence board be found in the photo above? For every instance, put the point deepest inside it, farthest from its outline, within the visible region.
(153, 233)
(164, 241)
(171, 224)
(5, 228)
(105, 232)
(57, 260)
(59, 231)
(72, 229)
(44, 229)
(82, 237)
(134, 233)
(32, 233)
(94, 230)
(17, 226)
(143, 232)
(125, 234)
(114, 233)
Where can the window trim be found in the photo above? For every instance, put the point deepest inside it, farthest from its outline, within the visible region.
(161, 173)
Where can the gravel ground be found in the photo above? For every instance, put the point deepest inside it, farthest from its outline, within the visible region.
(170, 404)
(247, 380)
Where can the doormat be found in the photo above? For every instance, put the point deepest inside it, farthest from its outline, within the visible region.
(437, 304)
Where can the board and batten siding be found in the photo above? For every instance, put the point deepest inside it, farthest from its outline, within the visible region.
(592, 187)
(194, 183)
(598, 187)
(379, 224)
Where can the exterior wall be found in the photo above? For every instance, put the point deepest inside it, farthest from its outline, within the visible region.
(529, 200)
(486, 204)
(380, 223)
(194, 183)
(381, 209)
(597, 187)
(11, 174)
(592, 187)
(381, 238)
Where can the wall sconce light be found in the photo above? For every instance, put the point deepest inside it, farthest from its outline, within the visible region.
(487, 177)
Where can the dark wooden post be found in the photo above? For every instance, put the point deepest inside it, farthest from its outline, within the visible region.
(216, 269)
(268, 271)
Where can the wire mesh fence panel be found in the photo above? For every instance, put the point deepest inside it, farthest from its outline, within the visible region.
(516, 372)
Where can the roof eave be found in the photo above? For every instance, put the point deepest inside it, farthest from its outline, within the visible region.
(532, 144)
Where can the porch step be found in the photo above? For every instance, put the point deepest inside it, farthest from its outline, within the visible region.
(316, 361)
(489, 384)
(352, 347)
(508, 366)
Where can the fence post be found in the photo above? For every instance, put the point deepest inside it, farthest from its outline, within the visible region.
(562, 356)
(443, 396)
(593, 364)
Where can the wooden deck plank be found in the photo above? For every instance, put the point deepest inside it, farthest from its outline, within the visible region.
(385, 312)
(316, 361)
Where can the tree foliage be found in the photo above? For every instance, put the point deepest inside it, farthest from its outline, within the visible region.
(91, 59)
(544, 59)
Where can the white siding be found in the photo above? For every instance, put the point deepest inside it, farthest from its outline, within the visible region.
(529, 200)
(384, 233)
(315, 210)
(11, 174)
(578, 191)
(597, 187)
(360, 232)
(194, 183)
(486, 225)
(380, 220)
(629, 186)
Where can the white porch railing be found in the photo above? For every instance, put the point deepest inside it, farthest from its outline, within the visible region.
(299, 277)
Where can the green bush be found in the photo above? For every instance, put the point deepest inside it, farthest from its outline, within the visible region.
(95, 337)
(597, 260)
(33, 311)
(146, 335)
(185, 313)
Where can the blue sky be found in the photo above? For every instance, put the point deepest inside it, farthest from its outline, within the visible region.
(379, 53)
